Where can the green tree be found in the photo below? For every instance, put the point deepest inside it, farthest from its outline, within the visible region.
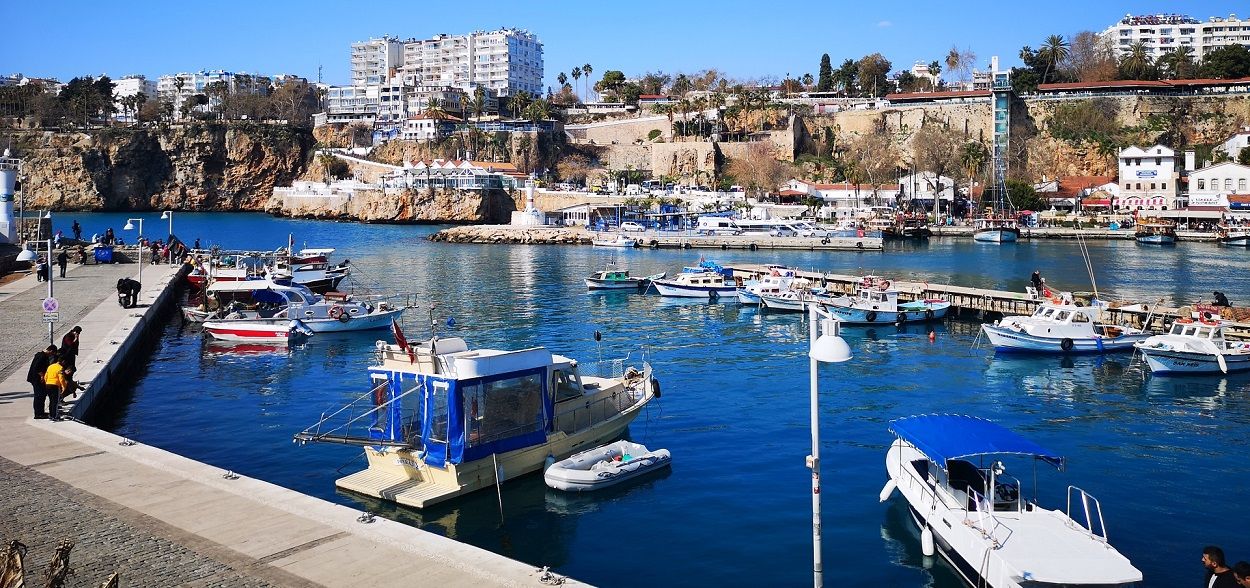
(1022, 196)
(1243, 156)
(586, 71)
(824, 81)
(1178, 64)
(935, 68)
(846, 76)
(1137, 63)
(972, 157)
(577, 74)
(872, 74)
(807, 80)
(1228, 62)
(562, 79)
(654, 82)
(1054, 51)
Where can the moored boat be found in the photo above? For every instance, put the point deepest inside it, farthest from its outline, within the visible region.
(1061, 328)
(1153, 231)
(876, 301)
(1195, 346)
(263, 299)
(441, 420)
(996, 230)
(977, 517)
(605, 466)
(691, 285)
(618, 279)
(1236, 236)
(258, 330)
(616, 241)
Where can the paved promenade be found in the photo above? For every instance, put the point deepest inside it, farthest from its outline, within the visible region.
(164, 520)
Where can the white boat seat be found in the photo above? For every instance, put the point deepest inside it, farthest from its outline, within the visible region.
(449, 345)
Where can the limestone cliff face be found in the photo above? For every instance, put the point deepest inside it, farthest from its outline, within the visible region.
(407, 206)
(198, 166)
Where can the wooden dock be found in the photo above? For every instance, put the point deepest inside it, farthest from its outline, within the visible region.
(987, 304)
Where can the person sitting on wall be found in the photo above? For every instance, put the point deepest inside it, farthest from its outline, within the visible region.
(1220, 299)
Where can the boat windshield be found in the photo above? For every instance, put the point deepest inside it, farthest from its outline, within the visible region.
(1062, 315)
(1079, 317)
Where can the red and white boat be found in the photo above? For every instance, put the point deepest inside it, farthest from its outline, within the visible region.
(258, 330)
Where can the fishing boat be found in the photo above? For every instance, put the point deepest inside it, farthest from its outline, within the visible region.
(277, 329)
(977, 517)
(876, 301)
(909, 227)
(441, 420)
(605, 466)
(331, 312)
(706, 284)
(1195, 346)
(615, 241)
(749, 291)
(618, 279)
(1236, 236)
(1154, 231)
(996, 230)
(1056, 327)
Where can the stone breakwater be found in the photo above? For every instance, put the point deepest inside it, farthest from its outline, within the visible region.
(510, 234)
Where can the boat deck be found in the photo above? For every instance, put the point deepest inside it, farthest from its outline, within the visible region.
(391, 486)
(1049, 550)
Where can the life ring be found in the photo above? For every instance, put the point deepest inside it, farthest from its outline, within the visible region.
(1209, 322)
(928, 314)
(655, 244)
(859, 244)
(902, 317)
(685, 246)
(753, 247)
(824, 241)
(379, 395)
(1066, 344)
(871, 316)
(335, 312)
(884, 284)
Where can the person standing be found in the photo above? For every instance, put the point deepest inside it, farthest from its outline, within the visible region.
(77, 229)
(34, 375)
(69, 345)
(62, 261)
(54, 385)
(1218, 573)
(1036, 279)
(41, 267)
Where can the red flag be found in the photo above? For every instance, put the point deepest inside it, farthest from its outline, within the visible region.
(402, 341)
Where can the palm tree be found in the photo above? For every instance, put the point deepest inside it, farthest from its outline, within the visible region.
(577, 74)
(973, 157)
(1137, 62)
(537, 110)
(563, 79)
(518, 102)
(586, 69)
(953, 60)
(435, 109)
(1178, 63)
(807, 80)
(1054, 51)
(479, 102)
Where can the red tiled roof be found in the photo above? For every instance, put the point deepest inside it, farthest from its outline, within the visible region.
(851, 187)
(652, 97)
(1071, 186)
(792, 193)
(904, 97)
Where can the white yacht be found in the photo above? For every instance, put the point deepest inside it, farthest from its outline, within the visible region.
(1194, 347)
(977, 517)
(1061, 328)
(696, 285)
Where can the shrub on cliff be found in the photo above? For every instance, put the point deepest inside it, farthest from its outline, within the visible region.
(1085, 120)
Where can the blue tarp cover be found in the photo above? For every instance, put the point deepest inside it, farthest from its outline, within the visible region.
(943, 437)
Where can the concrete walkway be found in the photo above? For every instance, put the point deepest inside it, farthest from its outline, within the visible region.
(163, 520)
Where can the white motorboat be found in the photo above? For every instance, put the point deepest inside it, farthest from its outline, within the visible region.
(691, 285)
(618, 279)
(793, 299)
(616, 241)
(977, 517)
(1061, 328)
(1233, 235)
(1194, 347)
(777, 280)
(605, 466)
(332, 312)
(442, 420)
(996, 230)
(876, 301)
(257, 330)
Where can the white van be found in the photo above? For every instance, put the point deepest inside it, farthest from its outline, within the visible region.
(717, 225)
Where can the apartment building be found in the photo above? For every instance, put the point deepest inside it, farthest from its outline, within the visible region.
(375, 61)
(1162, 33)
(178, 87)
(504, 61)
(129, 86)
(1148, 178)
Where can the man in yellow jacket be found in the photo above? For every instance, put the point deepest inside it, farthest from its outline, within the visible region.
(54, 382)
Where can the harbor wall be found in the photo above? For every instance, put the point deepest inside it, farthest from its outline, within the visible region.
(106, 366)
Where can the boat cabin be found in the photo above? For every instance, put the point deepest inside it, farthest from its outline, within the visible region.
(701, 279)
(262, 296)
(1065, 314)
(1209, 330)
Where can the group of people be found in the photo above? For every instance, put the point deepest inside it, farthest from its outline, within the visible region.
(51, 375)
(1219, 574)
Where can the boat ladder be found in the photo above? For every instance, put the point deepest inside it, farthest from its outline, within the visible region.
(1093, 524)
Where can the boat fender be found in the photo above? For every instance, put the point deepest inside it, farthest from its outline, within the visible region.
(335, 312)
(890, 485)
(885, 284)
(871, 316)
(655, 387)
(550, 461)
(926, 541)
(928, 314)
(344, 317)
(754, 247)
(1066, 344)
(824, 241)
(655, 244)
(859, 244)
(713, 294)
(723, 246)
(902, 318)
(685, 246)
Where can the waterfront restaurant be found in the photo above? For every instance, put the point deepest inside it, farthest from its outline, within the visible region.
(456, 175)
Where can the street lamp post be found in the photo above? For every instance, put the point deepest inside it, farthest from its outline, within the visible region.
(169, 216)
(130, 226)
(825, 346)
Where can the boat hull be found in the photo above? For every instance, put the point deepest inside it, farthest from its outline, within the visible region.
(379, 319)
(596, 469)
(593, 284)
(997, 236)
(1168, 362)
(784, 304)
(1010, 340)
(1156, 239)
(685, 291)
(858, 316)
(1238, 241)
(259, 331)
(747, 297)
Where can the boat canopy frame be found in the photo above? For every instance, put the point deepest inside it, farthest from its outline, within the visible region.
(946, 437)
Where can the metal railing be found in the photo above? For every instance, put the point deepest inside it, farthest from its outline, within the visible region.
(355, 423)
(585, 415)
(1089, 508)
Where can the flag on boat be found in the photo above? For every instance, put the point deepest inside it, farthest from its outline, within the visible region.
(402, 341)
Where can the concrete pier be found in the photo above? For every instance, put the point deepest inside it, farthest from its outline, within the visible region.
(161, 519)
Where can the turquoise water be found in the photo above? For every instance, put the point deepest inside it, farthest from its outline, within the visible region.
(1162, 454)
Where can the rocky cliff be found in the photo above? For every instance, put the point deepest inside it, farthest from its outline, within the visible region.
(403, 206)
(197, 166)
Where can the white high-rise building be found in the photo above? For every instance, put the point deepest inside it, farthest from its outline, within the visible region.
(1163, 33)
(178, 87)
(375, 61)
(505, 61)
(129, 86)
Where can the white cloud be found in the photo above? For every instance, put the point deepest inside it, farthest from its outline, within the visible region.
(885, 23)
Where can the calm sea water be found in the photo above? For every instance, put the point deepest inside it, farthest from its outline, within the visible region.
(1164, 455)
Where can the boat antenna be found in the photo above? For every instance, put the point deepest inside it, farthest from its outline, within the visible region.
(433, 324)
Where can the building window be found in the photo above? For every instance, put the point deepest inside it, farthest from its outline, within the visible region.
(1152, 185)
(1202, 184)
(1158, 161)
(1228, 184)
(1241, 185)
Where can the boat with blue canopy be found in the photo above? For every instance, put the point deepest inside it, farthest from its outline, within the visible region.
(970, 510)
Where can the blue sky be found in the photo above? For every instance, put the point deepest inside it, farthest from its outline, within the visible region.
(744, 39)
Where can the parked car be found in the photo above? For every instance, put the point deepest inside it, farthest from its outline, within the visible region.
(632, 227)
(782, 232)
